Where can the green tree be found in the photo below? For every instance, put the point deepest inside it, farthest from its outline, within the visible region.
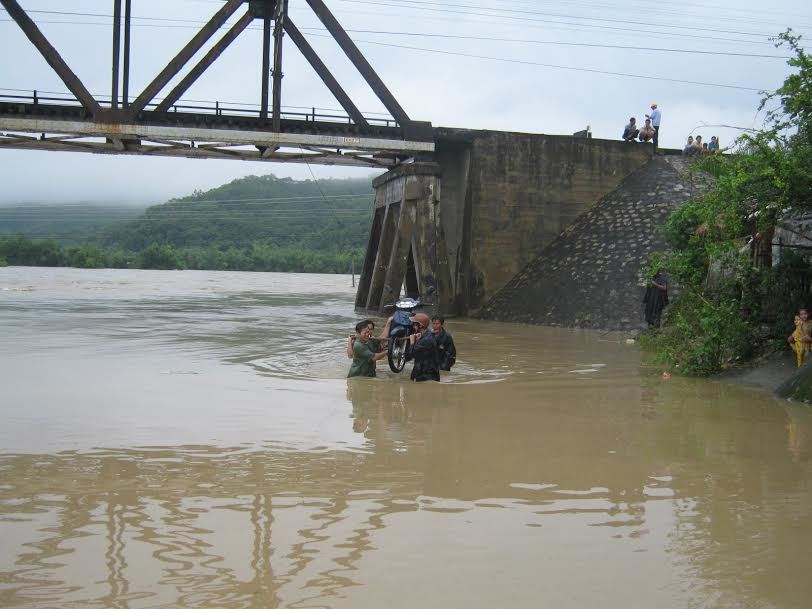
(725, 301)
(157, 256)
(86, 256)
(21, 251)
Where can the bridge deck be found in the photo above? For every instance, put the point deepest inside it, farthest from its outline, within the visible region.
(207, 130)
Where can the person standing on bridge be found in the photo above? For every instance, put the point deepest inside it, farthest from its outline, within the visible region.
(655, 122)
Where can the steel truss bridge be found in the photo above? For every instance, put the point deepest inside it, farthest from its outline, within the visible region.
(146, 124)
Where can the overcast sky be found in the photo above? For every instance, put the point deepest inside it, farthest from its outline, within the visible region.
(518, 80)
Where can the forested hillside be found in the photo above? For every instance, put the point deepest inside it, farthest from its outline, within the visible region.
(258, 223)
(65, 223)
(331, 215)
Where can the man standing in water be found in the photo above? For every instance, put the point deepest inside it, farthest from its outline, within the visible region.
(363, 357)
(445, 344)
(424, 351)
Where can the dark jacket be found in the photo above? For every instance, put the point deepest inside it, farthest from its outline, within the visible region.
(446, 349)
(426, 359)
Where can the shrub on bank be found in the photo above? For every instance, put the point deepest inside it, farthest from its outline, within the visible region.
(733, 302)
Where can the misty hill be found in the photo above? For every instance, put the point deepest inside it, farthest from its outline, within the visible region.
(65, 223)
(328, 215)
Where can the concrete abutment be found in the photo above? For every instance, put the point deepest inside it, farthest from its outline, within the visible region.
(457, 229)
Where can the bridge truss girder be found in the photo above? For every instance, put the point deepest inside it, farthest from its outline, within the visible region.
(144, 125)
(204, 143)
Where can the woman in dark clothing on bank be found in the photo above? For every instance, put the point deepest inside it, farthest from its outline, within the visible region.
(656, 299)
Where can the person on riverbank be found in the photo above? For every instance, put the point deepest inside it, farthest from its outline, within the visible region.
(801, 338)
(363, 357)
(447, 351)
(656, 299)
(647, 132)
(630, 131)
(690, 147)
(424, 351)
(655, 122)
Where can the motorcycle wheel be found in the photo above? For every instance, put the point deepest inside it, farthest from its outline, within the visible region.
(396, 353)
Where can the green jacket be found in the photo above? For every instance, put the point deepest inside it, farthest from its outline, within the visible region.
(362, 362)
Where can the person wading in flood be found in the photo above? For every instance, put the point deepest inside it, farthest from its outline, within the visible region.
(445, 344)
(363, 357)
(424, 351)
(376, 344)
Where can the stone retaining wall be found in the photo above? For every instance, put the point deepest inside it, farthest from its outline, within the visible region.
(589, 276)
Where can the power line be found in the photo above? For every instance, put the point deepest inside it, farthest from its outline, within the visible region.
(561, 43)
(423, 3)
(445, 10)
(560, 67)
(649, 8)
(493, 12)
(464, 37)
(184, 201)
(587, 25)
(304, 213)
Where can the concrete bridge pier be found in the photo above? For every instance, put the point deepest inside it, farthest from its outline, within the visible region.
(406, 244)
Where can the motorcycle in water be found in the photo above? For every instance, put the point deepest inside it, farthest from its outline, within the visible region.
(399, 332)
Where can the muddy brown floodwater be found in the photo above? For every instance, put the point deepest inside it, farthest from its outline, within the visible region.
(188, 439)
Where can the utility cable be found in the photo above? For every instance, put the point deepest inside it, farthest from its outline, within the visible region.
(185, 201)
(496, 12)
(513, 18)
(587, 25)
(448, 8)
(560, 67)
(479, 38)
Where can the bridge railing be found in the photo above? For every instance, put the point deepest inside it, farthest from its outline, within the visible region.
(215, 108)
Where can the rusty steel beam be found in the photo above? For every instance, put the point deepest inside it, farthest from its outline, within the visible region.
(231, 136)
(204, 63)
(192, 47)
(278, 34)
(324, 73)
(360, 62)
(125, 85)
(51, 55)
(116, 53)
(266, 63)
(188, 150)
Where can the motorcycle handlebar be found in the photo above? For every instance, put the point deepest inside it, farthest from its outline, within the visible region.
(417, 306)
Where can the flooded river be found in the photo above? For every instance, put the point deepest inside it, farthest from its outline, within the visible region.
(188, 439)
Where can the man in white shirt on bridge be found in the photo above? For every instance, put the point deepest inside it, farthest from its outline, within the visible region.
(655, 122)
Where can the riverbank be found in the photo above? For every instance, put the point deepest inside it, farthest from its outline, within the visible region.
(768, 373)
